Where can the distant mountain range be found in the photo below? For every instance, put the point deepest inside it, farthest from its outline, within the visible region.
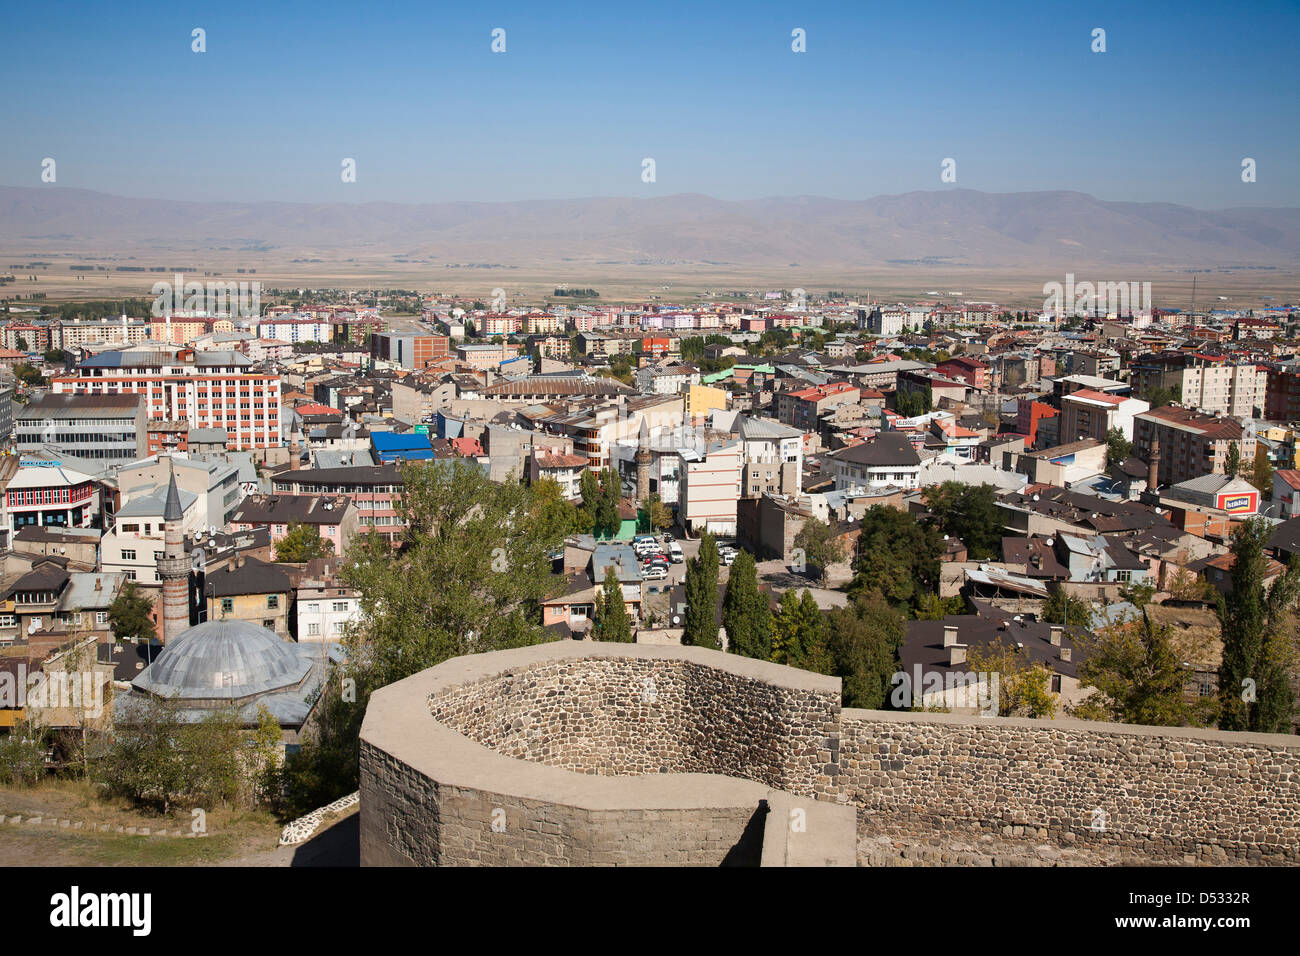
(960, 228)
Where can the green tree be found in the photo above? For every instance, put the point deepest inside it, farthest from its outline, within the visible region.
(302, 543)
(863, 640)
(896, 555)
(1024, 688)
(22, 754)
(1137, 676)
(613, 622)
(553, 516)
(1118, 447)
(1233, 464)
(1254, 690)
(1261, 473)
(660, 515)
(820, 545)
(1063, 608)
(701, 625)
(607, 519)
(968, 512)
(131, 615)
(745, 612)
(22, 344)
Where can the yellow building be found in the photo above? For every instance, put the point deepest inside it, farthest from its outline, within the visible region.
(702, 399)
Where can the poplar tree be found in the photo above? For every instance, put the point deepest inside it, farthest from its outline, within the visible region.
(702, 596)
(745, 612)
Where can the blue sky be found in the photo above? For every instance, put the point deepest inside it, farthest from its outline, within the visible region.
(713, 92)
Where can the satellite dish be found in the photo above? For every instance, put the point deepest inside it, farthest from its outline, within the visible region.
(31, 625)
(1050, 542)
(1035, 497)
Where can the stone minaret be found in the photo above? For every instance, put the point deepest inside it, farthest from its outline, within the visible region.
(174, 567)
(1153, 467)
(643, 463)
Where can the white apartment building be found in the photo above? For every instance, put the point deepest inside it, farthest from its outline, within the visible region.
(710, 488)
(1235, 390)
(325, 613)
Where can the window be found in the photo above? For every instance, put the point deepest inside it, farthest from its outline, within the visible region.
(157, 555)
(272, 601)
(1123, 575)
(1056, 683)
(128, 554)
(227, 605)
(269, 625)
(130, 575)
(101, 617)
(313, 630)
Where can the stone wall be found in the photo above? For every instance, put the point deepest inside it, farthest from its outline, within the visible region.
(1173, 794)
(593, 755)
(569, 753)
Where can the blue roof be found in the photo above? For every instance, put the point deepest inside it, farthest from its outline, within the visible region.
(390, 441)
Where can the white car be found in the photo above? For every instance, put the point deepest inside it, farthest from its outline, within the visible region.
(675, 553)
(654, 572)
(727, 556)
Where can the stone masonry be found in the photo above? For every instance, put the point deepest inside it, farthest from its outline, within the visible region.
(609, 754)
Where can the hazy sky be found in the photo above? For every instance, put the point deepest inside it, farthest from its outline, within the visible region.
(711, 91)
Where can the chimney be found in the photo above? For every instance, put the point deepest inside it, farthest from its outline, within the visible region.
(1065, 654)
(949, 635)
(956, 654)
(1055, 632)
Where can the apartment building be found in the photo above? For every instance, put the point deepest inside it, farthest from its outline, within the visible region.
(773, 457)
(1191, 443)
(108, 428)
(889, 460)
(375, 490)
(803, 407)
(1091, 414)
(1211, 383)
(409, 350)
(709, 490)
(215, 389)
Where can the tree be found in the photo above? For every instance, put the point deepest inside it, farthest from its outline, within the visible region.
(1261, 473)
(613, 622)
(968, 512)
(1118, 447)
(1254, 690)
(22, 344)
(302, 543)
(701, 625)
(1136, 674)
(28, 374)
(659, 514)
(22, 754)
(607, 514)
(54, 356)
(1063, 608)
(745, 612)
(1024, 689)
(863, 639)
(468, 574)
(897, 556)
(1233, 463)
(131, 615)
(820, 545)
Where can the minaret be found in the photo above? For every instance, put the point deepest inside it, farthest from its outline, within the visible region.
(643, 463)
(1153, 468)
(174, 567)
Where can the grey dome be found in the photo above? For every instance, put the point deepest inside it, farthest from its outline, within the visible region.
(223, 660)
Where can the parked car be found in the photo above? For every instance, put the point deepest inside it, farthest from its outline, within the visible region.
(675, 553)
(727, 555)
(668, 537)
(655, 572)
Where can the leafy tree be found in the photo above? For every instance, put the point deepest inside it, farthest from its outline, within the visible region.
(1261, 473)
(660, 515)
(1063, 608)
(745, 612)
(553, 516)
(934, 608)
(1254, 690)
(701, 625)
(607, 520)
(1137, 675)
(612, 622)
(821, 546)
(54, 356)
(801, 634)
(28, 374)
(897, 556)
(863, 641)
(131, 615)
(968, 512)
(1233, 463)
(302, 543)
(1024, 689)
(22, 344)
(1118, 447)
(22, 754)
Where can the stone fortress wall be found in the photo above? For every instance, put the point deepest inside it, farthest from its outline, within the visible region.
(580, 753)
